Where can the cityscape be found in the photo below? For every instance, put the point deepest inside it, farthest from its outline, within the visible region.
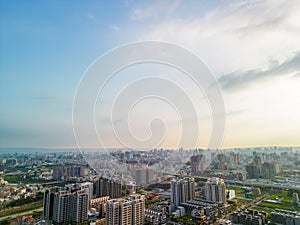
(240, 186)
(149, 112)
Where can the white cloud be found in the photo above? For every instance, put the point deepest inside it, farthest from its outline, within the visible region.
(243, 34)
(155, 10)
(90, 16)
(239, 37)
(114, 27)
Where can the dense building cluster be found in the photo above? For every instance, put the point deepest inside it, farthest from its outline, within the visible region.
(199, 208)
(66, 205)
(108, 187)
(266, 170)
(155, 217)
(249, 217)
(215, 190)
(194, 194)
(285, 217)
(69, 204)
(66, 172)
(129, 211)
(182, 190)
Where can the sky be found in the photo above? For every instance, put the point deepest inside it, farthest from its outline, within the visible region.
(251, 47)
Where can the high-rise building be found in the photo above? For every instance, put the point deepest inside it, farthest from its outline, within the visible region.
(130, 211)
(270, 170)
(141, 177)
(86, 186)
(69, 205)
(138, 209)
(112, 212)
(215, 190)
(197, 163)
(295, 198)
(130, 188)
(125, 212)
(253, 171)
(65, 172)
(57, 173)
(257, 160)
(182, 190)
(222, 162)
(277, 168)
(149, 176)
(1, 167)
(236, 158)
(108, 187)
(266, 170)
(144, 176)
(99, 204)
(89, 188)
(62, 207)
(49, 201)
(79, 206)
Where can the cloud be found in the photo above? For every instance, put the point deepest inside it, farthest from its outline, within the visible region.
(297, 75)
(245, 78)
(236, 112)
(240, 35)
(114, 27)
(155, 10)
(90, 16)
(49, 98)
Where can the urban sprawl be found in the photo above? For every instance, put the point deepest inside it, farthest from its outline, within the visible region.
(253, 186)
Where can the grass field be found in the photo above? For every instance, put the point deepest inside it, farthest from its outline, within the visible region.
(20, 209)
(282, 195)
(239, 192)
(279, 206)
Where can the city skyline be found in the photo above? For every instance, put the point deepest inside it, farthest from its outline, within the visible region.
(258, 186)
(251, 47)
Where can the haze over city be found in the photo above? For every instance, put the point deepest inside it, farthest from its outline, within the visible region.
(175, 112)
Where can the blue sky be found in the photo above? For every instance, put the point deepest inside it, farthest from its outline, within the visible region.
(252, 47)
(45, 48)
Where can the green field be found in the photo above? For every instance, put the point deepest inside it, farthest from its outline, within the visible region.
(284, 198)
(239, 192)
(284, 195)
(13, 179)
(19, 209)
(279, 206)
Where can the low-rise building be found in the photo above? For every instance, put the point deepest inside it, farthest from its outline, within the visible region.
(25, 219)
(285, 217)
(154, 217)
(225, 222)
(230, 194)
(249, 217)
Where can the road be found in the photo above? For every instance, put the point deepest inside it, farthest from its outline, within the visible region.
(257, 184)
(249, 205)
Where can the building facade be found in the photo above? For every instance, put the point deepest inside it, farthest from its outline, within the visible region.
(130, 211)
(108, 187)
(215, 190)
(182, 190)
(144, 176)
(67, 205)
